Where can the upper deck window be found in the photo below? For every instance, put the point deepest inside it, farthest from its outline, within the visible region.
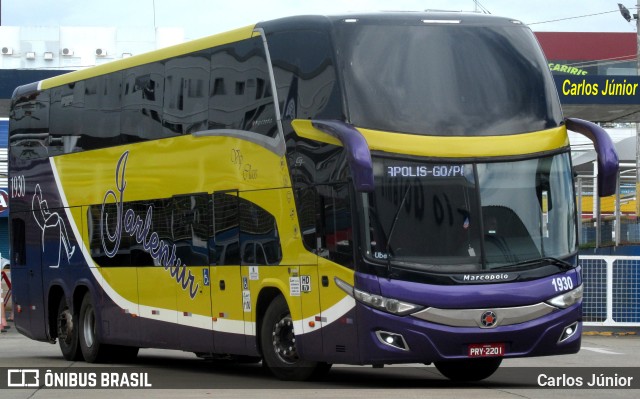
(446, 79)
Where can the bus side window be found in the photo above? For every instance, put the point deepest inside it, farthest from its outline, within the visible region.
(142, 97)
(185, 94)
(335, 228)
(19, 253)
(101, 117)
(306, 202)
(240, 91)
(67, 107)
(30, 126)
(259, 236)
(226, 228)
(189, 227)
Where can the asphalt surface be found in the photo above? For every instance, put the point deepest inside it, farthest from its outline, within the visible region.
(171, 374)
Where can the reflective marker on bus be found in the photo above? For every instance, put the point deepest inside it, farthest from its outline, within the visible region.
(372, 189)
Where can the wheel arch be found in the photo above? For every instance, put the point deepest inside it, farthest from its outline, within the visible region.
(266, 296)
(56, 293)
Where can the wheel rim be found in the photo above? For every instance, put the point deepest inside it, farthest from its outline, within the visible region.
(65, 326)
(88, 327)
(284, 340)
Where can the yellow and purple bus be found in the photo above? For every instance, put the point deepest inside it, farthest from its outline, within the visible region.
(365, 189)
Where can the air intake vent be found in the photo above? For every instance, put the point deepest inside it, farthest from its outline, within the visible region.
(341, 348)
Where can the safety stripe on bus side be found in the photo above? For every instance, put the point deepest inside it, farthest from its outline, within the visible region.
(329, 316)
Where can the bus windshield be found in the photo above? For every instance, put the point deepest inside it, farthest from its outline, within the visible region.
(447, 79)
(469, 217)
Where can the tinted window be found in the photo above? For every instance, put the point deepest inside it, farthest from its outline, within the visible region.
(447, 80)
(227, 223)
(100, 118)
(190, 221)
(259, 236)
(142, 97)
(305, 73)
(67, 108)
(29, 135)
(335, 224)
(18, 240)
(240, 92)
(186, 93)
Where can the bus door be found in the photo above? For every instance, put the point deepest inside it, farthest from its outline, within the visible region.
(335, 249)
(311, 285)
(226, 282)
(268, 229)
(26, 275)
(191, 226)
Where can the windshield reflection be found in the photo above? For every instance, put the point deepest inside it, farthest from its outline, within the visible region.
(469, 217)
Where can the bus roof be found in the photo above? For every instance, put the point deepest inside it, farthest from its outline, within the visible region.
(152, 56)
(287, 23)
(386, 17)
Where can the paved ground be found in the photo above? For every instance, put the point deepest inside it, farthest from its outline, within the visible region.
(187, 376)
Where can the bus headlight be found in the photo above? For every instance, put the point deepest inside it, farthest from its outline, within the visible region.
(389, 305)
(567, 299)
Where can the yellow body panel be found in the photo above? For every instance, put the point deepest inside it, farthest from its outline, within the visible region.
(195, 165)
(448, 146)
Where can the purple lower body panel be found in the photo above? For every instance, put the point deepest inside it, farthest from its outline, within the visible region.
(428, 342)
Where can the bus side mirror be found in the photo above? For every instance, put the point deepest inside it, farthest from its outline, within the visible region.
(607, 156)
(358, 154)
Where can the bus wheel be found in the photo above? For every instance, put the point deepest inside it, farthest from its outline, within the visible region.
(92, 349)
(67, 332)
(469, 369)
(278, 342)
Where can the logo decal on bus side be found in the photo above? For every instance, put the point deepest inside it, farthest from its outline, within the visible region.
(51, 220)
(133, 225)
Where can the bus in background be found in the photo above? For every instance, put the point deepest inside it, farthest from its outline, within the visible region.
(365, 189)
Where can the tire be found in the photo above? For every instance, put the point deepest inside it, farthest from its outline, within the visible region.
(67, 332)
(92, 350)
(469, 369)
(279, 353)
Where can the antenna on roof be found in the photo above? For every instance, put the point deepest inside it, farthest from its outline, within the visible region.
(479, 7)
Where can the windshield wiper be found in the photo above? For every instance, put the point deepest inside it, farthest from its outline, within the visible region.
(564, 265)
(393, 228)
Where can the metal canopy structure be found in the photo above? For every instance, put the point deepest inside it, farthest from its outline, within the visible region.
(618, 113)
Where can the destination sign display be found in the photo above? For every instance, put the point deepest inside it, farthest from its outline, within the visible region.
(403, 169)
(425, 171)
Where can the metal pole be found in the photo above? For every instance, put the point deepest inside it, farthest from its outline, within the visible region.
(579, 204)
(617, 210)
(596, 204)
(637, 124)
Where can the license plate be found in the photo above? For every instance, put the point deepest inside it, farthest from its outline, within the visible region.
(486, 350)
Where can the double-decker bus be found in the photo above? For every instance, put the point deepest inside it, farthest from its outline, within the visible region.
(364, 189)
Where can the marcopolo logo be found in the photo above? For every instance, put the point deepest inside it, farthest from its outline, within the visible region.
(486, 277)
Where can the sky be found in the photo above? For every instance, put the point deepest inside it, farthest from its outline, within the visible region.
(201, 18)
